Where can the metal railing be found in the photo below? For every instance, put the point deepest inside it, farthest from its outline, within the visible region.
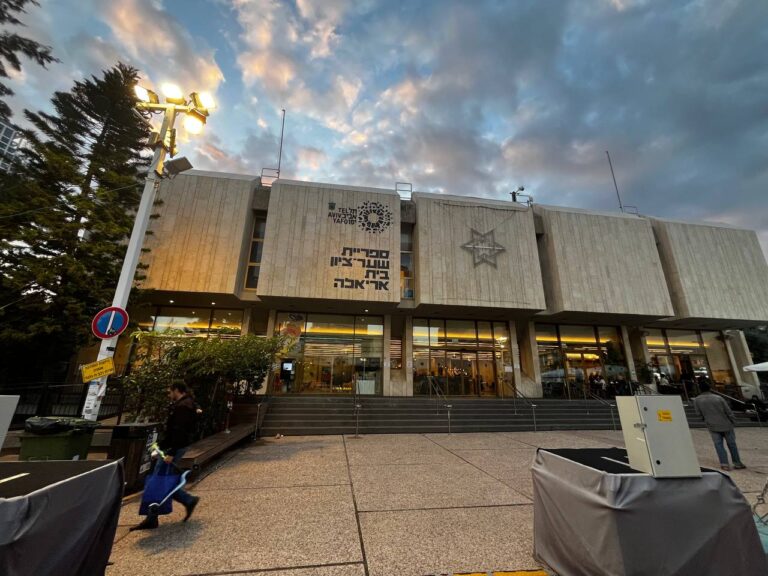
(357, 407)
(434, 386)
(606, 403)
(62, 400)
(742, 402)
(527, 400)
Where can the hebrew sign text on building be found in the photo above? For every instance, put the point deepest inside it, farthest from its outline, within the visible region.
(374, 263)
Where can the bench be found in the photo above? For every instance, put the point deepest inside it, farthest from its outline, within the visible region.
(201, 452)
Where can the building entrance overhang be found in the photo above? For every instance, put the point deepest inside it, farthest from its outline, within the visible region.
(471, 312)
(202, 299)
(573, 317)
(328, 306)
(706, 323)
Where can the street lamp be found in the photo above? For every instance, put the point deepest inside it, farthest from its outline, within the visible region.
(196, 108)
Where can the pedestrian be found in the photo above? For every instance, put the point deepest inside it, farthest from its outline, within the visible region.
(720, 422)
(179, 431)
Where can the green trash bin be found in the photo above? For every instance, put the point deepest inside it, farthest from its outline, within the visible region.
(51, 438)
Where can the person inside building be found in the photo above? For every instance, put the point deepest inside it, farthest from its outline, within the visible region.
(720, 422)
(180, 428)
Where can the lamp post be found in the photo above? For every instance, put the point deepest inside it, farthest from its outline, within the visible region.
(196, 108)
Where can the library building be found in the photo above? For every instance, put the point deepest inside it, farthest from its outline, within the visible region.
(388, 295)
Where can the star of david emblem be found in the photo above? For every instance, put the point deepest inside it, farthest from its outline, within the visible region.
(484, 248)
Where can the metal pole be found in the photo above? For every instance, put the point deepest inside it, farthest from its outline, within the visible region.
(357, 420)
(757, 413)
(280, 153)
(613, 420)
(621, 206)
(133, 252)
(448, 407)
(533, 409)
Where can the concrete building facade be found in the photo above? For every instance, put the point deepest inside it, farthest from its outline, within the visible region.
(473, 297)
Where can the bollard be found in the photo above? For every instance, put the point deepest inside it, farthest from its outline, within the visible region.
(448, 407)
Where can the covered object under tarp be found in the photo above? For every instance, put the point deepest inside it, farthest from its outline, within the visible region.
(596, 516)
(58, 518)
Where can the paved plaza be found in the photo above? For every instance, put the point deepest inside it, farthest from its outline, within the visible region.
(379, 505)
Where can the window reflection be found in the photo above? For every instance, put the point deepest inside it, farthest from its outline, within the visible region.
(334, 354)
(461, 357)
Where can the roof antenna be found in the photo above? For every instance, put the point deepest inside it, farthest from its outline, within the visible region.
(621, 206)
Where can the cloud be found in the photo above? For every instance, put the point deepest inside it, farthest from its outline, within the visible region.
(159, 46)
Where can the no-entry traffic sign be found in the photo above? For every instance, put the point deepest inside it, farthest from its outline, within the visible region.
(109, 323)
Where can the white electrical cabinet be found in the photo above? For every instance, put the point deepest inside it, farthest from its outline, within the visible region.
(657, 436)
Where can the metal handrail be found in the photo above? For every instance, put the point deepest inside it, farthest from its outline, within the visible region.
(744, 402)
(648, 389)
(434, 386)
(527, 401)
(357, 407)
(606, 403)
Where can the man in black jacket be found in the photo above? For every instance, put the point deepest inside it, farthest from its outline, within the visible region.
(179, 433)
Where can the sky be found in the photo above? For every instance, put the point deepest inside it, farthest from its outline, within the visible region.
(465, 97)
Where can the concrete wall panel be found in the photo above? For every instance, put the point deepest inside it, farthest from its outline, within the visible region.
(713, 271)
(601, 263)
(449, 274)
(196, 243)
(318, 246)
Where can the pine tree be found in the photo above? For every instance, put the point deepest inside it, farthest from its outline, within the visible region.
(12, 45)
(68, 213)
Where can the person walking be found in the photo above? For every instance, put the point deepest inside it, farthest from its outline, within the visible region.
(180, 428)
(720, 422)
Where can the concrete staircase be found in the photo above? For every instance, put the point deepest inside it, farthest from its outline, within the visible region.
(308, 415)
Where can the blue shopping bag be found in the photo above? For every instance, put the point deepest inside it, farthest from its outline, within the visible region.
(159, 486)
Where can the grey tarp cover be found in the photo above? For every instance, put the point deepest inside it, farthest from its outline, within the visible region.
(592, 523)
(61, 529)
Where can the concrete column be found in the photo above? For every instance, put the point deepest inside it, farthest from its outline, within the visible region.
(246, 327)
(517, 373)
(639, 350)
(408, 355)
(529, 360)
(387, 369)
(740, 356)
(628, 354)
(270, 332)
(271, 323)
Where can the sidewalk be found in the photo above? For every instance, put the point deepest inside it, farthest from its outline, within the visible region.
(380, 505)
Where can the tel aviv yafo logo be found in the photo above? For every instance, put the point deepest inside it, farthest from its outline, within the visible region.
(373, 217)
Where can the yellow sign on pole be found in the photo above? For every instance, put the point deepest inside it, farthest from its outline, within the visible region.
(96, 370)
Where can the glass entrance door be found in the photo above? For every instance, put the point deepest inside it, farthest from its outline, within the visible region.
(461, 373)
(486, 373)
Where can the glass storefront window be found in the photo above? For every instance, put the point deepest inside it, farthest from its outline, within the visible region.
(437, 333)
(461, 333)
(684, 342)
(576, 361)
(655, 341)
(190, 321)
(420, 371)
(334, 354)
(688, 357)
(226, 323)
(485, 335)
(420, 332)
(465, 357)
(717, 356)
(612, 354)
(144, 316)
